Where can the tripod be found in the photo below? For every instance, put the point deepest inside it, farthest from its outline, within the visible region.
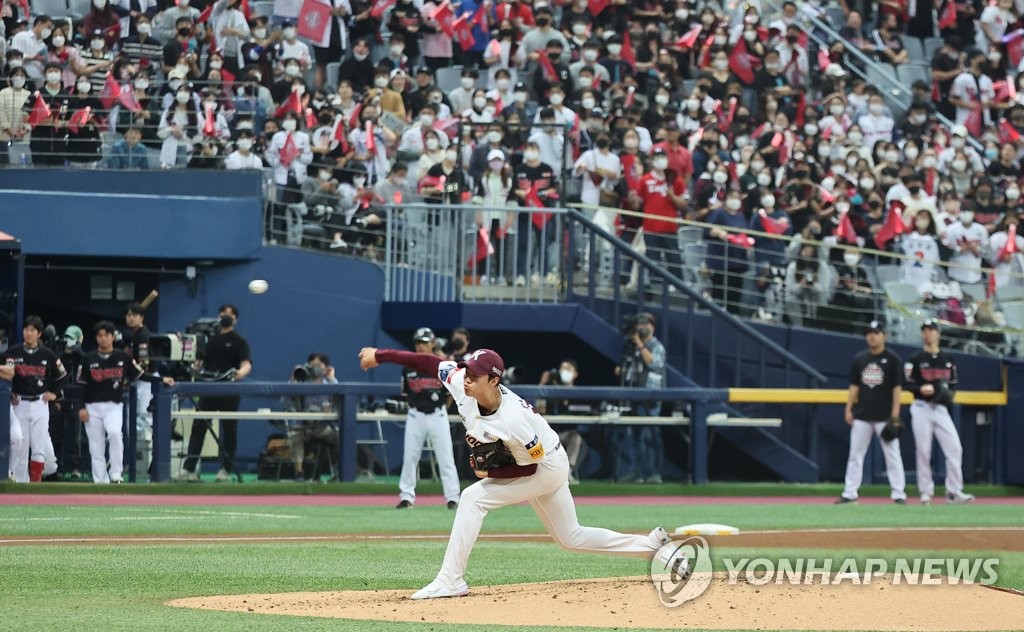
(197, 439)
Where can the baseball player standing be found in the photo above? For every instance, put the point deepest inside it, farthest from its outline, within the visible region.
(873, 408)
(38, 373)
(7, 373)
(427, 418)
(137, 345)
(931, 376)
(104, 374)
(518, 458)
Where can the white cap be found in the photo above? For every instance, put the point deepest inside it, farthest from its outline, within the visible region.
(960, 130)
(495, 154)
(834, 70)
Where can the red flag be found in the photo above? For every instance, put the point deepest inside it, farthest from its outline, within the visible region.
(397, 197)
(353, 121)
(705, 54)
(110, 92)
(444, 17)
(314, 18)
(341, 135)
(310, 118)
(689, 38)
(947, 19)
(801, 106)
(480, 17)
(380, 6)
(292, 104)
(973, 121)
(826, 133)
(929, 181)
(845, 231)
(128, 101)
(893, 227)
(597, 6)
(802, 40)
(40, 111)
(483, 245)
(79, 118)
(289, 152)
(547, 68)
(205, 15)
(1007, 132)
(24, 7)
(533, 200)
(771, 225)
(464, 32)
(630, 97)
(1010, 247)
(740, 239)
(826, 197)
(823, 59)
(777, 140)
(1013, 43)
(739, 62)
(371, 141)
(210, 128)
(990, 289)
(448, 126)
(627, 49)
(246, 11)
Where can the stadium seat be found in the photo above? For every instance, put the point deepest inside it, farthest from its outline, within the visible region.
(78, 8)
(887, 273)
(931, 45)
(1010, 292)
(448, 78)
(52, 8)
(333, 69)
(914, 47)
(909, 73)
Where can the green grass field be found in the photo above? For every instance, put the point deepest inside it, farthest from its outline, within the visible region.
(124, 587)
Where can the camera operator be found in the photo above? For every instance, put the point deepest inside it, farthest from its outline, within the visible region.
(38, 377)
(427, 418)
(227, 353)
(566, 375)
(65, 428)
(317, 370)
(643, 366)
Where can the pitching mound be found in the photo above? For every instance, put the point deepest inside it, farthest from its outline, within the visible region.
(633, 603)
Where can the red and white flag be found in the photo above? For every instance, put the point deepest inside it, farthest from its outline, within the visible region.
(40, 111)
(289, 152)
(314, 18)
(292, 104)
(771, 225)
(464, 32)
(845, 231)
(379, 7)
(110, 92)
(79, 119)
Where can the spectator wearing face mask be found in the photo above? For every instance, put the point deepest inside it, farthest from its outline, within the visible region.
(292, 76)
(709, 191)
(181, 52)
(358, 68)
(888, 46)
(493, 190)
(141, 44)
(921, 245)
(1005, 166)
(13, 118)
(968, 241)
(589, 56)
(31, 43)
(290, 47)
(852, 293)
(243, 156)
(84, 144)
(289, 155)
(536, 41)
(413, 141)
(532, 176)
(48, 143)
(876, 125)
(958, 145)
(437, 45)
(230, 31)
(618, 68)
(433, 153)
(492, 140)
(461, 98)
(102, 17)
(726, 260)
(545, 86)
(520, 105)
(1006, 264)
(179, 125)
(807, 283)
(973, 90)
(914, 197)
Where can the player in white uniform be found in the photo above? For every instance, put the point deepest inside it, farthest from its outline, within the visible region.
(538, 475)
(931, 376)
(7, 373)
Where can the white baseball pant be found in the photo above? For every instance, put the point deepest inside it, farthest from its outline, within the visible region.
(860, 440)
(418, 428)
(143, 418)
(34, 417)
(16, 438)
(105, 422)
(933, 420)
(548, 493)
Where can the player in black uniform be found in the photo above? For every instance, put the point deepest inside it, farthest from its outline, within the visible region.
(65, 429)
(38, 374)
(872, 401)
(427, 419)
(104, 375)
(136, 343)
(931, 376)
(226, 354)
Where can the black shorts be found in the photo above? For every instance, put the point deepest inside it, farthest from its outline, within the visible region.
(332, 52)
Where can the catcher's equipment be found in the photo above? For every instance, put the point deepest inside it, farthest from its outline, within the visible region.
(892, 429)
(943, 394)
(484, 456)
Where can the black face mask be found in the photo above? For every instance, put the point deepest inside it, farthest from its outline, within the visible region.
(184, 32)
(554, 56)
(505, 33)
(542, 22)
(792, 39)
(226, 320)
(914, 190)
(603, 143)
(801, 174)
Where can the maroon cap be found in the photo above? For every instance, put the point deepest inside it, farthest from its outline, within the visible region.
(484, 362)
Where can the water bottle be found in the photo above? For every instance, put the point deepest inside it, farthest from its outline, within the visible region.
(24, 159)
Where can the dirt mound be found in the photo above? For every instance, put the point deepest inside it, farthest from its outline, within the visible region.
(634, 602)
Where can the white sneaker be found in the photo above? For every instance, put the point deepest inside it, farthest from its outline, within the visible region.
(520, 281)
(222, 476)
(551, 278)
(926, 500)
(659, 538)
(534, 279)
(484, 280)
(186, 476)
(437, 590)
(959, 499)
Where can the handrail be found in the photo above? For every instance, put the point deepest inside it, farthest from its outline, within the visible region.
(626, 250)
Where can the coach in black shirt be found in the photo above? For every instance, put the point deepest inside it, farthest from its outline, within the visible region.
(876, 384)
(225, 352)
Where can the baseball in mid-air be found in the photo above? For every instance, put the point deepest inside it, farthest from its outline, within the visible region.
(258, 286)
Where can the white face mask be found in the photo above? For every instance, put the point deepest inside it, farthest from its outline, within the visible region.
(875, 108)
(720, 64)
(566, 376)
(631, 143)
(494, 137)
(289, 33)
(556, 99)
(97, 44)
(216, 64)
(260, 33)
(289, 125)
(921, 224)
(585, 82)
(740, 170)
(432, 144)
(99, 4)
(145, 29)
(867, 184)
(426, 120)
(467, 83)
(496, 165)
(958, 142)
(450, 156)
(851, 162)
(531, 155)
(588, 103)
(359, 181)
(839, 169)
(52, 77)
(1013, 194)
(479, 102)
(851, 258)
(768, 201)
(520, 97)
(396, 51)
(892, 156)
(661, 99)
(959, 165)
(855, 137)
(966, 217)
(45, 33)
(842, 207)
(614, 49)
(142, 84)
(836, 110)
(910, 152)
(84, 86)
(579, 29)
(358, 56)
(720, 40)
(720, 177)
(691, 104)
(325, 175)
(756, 166)
(182, 97)
(174, 84)
(661, 164)
(590, 54)
(58, 41)
(292, 70)
(750, 36)
(732, 204)
(764, 179)
(245, 143)
(824, 151)
(810, 129)
(929, 162)
(18, 82)
(380, 82)
(502, 84)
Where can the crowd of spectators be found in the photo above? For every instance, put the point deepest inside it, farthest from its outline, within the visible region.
(721, 113)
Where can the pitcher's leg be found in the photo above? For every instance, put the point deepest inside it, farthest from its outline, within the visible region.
(921, 425)
(949, 441)
(893, 466)
(860, 439)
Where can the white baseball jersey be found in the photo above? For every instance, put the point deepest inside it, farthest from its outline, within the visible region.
(924, 249)
(965, 266)
(528, 436)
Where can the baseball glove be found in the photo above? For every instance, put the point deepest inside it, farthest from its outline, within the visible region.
(484, 456)
(892, 429)
(943, 394)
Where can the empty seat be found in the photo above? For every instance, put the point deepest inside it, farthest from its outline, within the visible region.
(903, 294)
(448, 78)
(914, 47)
(332, 71)
(887, 273)
(1010, 292)
(52, 8)
(931, 45)
(909, 73)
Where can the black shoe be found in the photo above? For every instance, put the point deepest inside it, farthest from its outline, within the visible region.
(405, 504)
(451, 505)
(843, 500)
(51, 478)
(900, 501)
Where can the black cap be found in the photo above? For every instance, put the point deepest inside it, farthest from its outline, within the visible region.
(423, 334)
(134, 308)
(520, 87)
(931, 323)
(424, 70)
(875, 326)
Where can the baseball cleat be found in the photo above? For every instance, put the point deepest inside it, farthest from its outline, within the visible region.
(675, 561)
(437, 590)
(453, 505)
(900, 501)
(959, 499)
(403, 504)
(659, 538)
(843, 500)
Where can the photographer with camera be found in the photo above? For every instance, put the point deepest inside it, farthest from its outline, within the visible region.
(641, 456)
(317, 370)
(566, 375)
(427, 417)
(227, 357)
